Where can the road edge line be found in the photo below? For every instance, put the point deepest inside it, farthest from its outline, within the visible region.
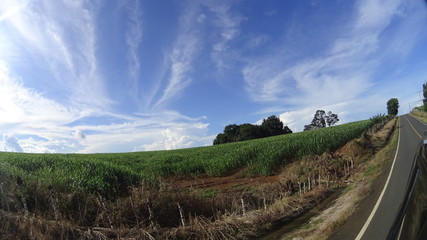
(413, 116)
(374, 210)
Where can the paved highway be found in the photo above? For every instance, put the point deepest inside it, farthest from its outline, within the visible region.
(375, 215)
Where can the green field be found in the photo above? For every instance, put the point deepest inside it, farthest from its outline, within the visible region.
(115, 172)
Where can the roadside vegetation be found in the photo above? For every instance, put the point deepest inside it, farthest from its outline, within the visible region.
(137, 194)
(111, 174)
(359, 186)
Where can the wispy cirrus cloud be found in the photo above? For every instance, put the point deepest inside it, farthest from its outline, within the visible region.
(228, 24)
(54, 36)
(342, 79)
(133, 41)
(60, 41)
(181, 58)
(342, 73)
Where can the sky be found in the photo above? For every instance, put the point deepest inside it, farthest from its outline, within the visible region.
(81, 76)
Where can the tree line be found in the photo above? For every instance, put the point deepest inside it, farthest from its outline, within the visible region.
(271, 126)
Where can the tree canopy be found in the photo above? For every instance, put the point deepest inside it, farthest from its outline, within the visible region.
(393, 106)
(322, 119)
(270, 126)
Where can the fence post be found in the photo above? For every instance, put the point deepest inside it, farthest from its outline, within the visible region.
(243, 206)
(24, 202)
(104, 206)
(150, 213)
(53, 200)
(181, 214)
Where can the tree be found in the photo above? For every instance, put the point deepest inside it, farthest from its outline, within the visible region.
(232, 132)
(220, 139)
(249, 131)
(270, 126)
(393, 106)
(321, 120)
(425, 96)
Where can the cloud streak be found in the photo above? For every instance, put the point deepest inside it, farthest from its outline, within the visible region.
(54, 36)
(342, 73)
(228, 24)
(133, 40)
(185, 50)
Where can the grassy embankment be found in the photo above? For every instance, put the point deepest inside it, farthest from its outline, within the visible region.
(66, 192)
(420, 114)
(111, 174)
(322, 225)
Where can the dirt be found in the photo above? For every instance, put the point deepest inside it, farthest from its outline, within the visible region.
(228, 184)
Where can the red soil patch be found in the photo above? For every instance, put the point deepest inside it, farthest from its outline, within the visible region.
(227, 184)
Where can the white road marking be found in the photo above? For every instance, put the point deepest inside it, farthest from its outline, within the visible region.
(368, 221)
(418, 120)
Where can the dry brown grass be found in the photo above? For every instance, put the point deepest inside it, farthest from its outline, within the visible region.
(331, 218)
(420, 115)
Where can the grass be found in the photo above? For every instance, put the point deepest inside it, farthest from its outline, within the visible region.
(312, 224)
(420, 114)
(208, 192)
(208, 213)
(112, 174)
(372, 170)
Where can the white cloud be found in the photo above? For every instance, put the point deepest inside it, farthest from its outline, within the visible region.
(11, 144)
(181, 137)
(155, 132)
(20, 105)
(79, 135)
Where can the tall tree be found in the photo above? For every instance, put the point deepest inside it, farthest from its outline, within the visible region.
(272, 126)
(393, 106)
(322, 119)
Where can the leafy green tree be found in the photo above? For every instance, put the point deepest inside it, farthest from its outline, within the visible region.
(393, 106)
(220, 139)
(322, 119)
(249, 131)
(232, 132)
(270, 126)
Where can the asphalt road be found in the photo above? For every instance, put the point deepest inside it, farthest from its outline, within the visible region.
(374, 216)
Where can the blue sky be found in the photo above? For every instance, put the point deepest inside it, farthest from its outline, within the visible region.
(122, 76)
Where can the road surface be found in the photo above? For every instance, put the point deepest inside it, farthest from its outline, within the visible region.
(374, 216)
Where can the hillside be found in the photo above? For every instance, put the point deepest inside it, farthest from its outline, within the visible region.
(154, 193)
